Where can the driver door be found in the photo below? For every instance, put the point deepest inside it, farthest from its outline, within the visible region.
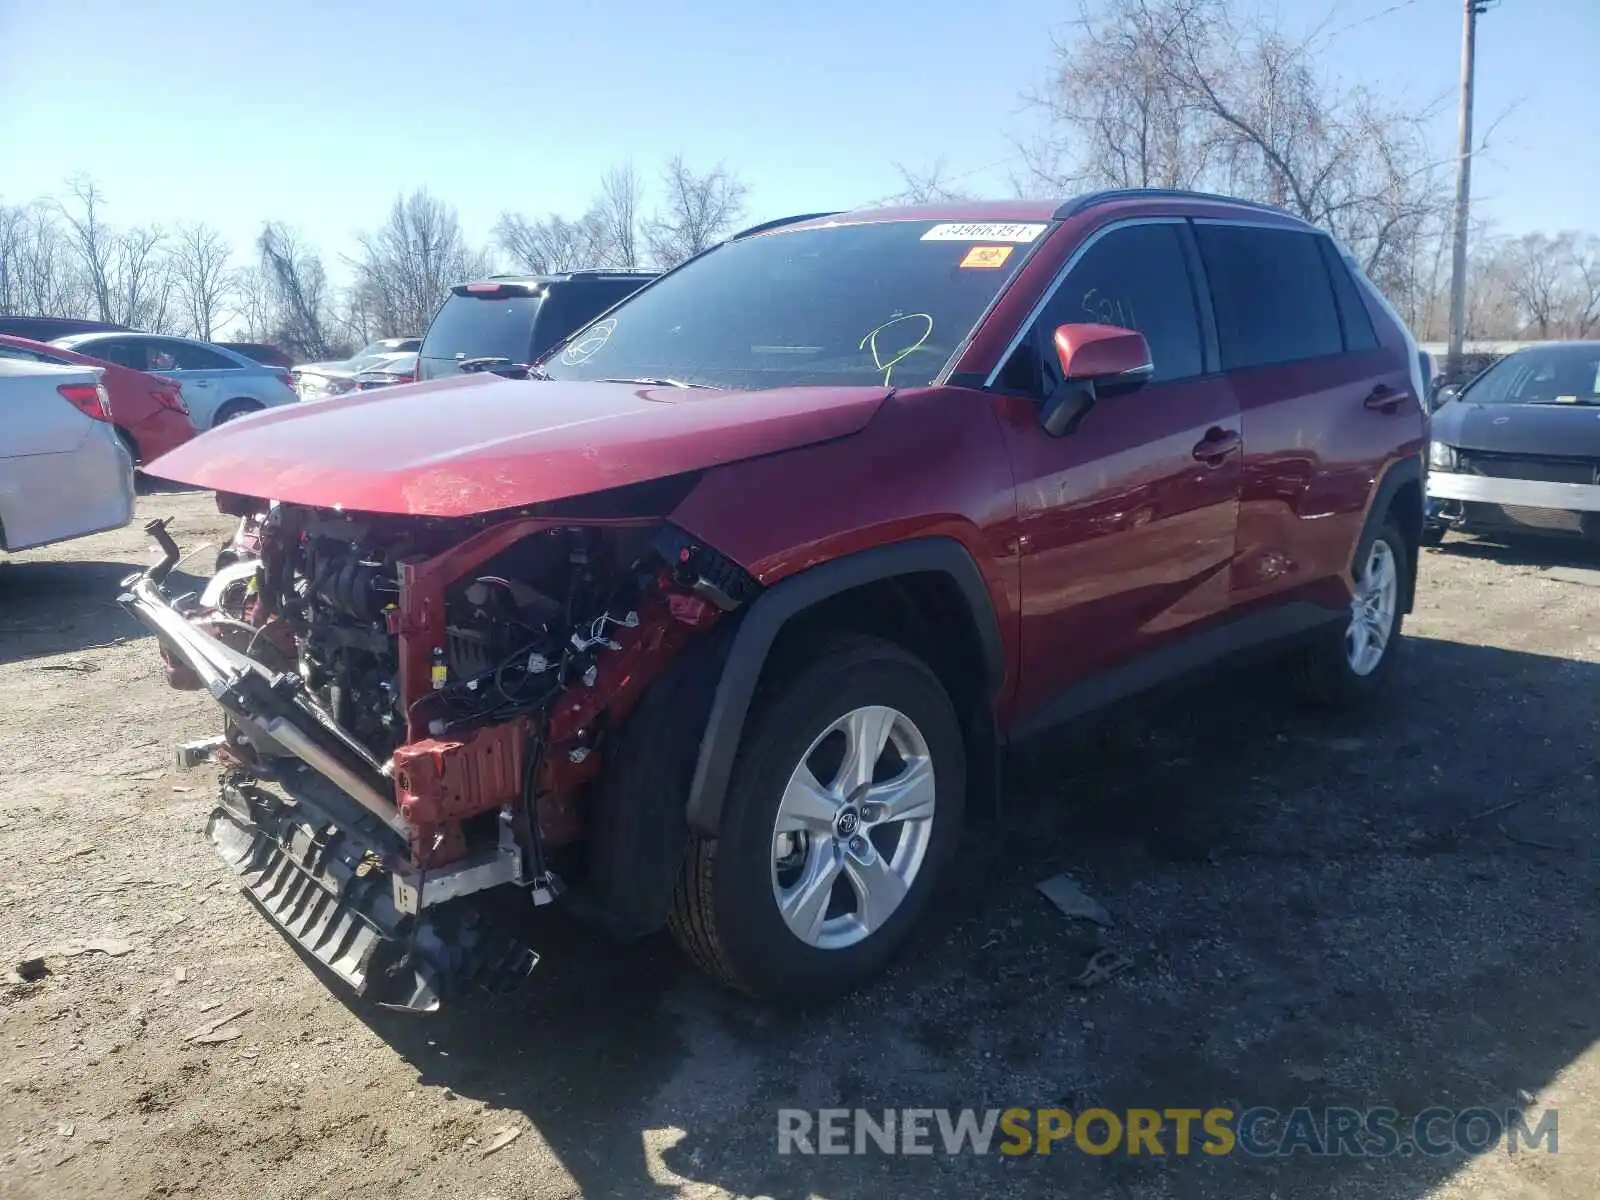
(1126, 524)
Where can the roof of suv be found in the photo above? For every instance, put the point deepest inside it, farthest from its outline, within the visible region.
(568, 276)
(1035, 210)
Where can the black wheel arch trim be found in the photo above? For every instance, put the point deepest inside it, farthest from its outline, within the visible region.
(1399, 473)
(766, 616)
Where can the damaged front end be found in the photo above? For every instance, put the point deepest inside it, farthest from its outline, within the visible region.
(415, 709)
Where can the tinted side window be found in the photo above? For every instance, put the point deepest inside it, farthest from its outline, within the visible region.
(1271, 295)
(192, 358)
(1135, 276)
(121, 351)
(1353, 315)
(24, 355)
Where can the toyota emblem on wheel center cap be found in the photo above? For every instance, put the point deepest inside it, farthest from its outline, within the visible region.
(847, 823)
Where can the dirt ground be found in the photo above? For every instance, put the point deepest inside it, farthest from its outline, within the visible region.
(1393, 908)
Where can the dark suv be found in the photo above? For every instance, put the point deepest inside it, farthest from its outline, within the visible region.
(515, 318)
(727, 613)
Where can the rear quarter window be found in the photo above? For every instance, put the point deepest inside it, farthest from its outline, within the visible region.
(1354, 318)
(1270, 290)
(125, 353)
(195, 358)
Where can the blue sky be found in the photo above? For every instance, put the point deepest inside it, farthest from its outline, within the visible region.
(318, 113)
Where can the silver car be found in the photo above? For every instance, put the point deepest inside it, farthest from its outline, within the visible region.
(63, 470)
(218, 384)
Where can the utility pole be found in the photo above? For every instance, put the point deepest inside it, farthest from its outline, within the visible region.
(1458, 264)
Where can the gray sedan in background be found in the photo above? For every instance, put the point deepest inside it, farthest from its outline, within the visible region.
(218, 384)
(63, 470)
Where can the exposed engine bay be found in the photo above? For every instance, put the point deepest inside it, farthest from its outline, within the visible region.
(460, 681)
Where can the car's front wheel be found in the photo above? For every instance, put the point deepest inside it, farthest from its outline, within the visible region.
(1355, 666)
(844, 809)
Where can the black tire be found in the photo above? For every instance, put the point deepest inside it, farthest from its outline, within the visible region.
(725, 914)
(1432, 535)
(232, 409)
(1322, 674)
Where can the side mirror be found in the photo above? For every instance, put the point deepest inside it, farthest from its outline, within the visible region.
(1443, 396)
(1096, 361)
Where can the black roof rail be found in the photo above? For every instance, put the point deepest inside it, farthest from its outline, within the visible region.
(1088, 200)
(613, 273)
(584, 273)
(780, 222)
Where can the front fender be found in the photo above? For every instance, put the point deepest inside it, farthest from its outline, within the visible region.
(781, 603)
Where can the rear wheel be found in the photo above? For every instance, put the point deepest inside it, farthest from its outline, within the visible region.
(232, 409)
(844, 809)
(1354, 667)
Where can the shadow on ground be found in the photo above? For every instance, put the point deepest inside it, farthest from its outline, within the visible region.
(1391, 909)
(1532, 551)
(52, 607)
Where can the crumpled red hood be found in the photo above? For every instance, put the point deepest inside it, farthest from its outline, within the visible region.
(456, 447)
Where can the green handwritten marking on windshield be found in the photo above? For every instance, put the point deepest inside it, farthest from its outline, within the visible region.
(870, 343)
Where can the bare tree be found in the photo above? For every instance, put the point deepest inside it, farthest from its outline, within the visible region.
(616, 218)
(201, 277)
(932, 186)
(1584, 317)
(1538, 269)
(406, 268)
(1116, 110)
(94, 242)
(551, 244)
(1207, 94)
(252, 290)
(697, 210)
(142, 281)
(43, 274)
(13, 236)
(299, 291)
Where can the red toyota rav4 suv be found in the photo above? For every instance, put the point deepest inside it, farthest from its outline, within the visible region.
(724, 617)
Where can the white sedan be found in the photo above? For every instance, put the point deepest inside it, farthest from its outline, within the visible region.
(64, 472)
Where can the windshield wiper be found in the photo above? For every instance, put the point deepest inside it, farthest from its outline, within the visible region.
(677, 383)
(500, 366)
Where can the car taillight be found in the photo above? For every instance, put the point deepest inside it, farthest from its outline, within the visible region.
(285, 378)
(88, 398)
(171, 398)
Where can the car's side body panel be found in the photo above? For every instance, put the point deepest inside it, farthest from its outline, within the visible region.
(152, 427)
(62, 474)
(214, 379)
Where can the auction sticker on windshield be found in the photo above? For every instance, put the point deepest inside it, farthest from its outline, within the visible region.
(987, 256)
(983, 233)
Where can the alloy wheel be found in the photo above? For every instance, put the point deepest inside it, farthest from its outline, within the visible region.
(1372, 609)
(853, 827)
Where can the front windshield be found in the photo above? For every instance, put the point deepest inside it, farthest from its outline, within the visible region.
(1541, 375)
(884, 303)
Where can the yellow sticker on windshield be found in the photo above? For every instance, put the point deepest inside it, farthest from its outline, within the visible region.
(987, 256)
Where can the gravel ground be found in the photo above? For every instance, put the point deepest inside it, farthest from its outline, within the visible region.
(1317, 911)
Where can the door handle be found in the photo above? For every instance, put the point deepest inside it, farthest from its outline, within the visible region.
(1384, 399)
(1214, 448)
